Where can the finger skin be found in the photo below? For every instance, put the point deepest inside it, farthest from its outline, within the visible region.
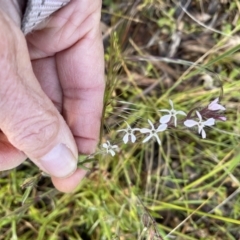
(81, 73)
(10, 156)
(65, 28)
(68, 185)
(46, 72)
(81, 76)
(74, 33)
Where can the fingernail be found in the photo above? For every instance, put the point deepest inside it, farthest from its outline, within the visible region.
(59, 162)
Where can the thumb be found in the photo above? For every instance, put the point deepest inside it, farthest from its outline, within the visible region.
(28, 118)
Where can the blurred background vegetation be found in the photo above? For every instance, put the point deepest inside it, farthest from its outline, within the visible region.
(188, 188)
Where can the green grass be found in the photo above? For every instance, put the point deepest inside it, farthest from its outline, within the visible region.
(188, 188)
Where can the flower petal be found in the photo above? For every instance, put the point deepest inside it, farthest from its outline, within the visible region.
(215, 106)
(133, 138)
(145, 130)
(112, 152)
(165, 110)
(105, 145)
(209, 122)
(158, 140)
(190, 123)
(199, 115)
(200, 129)
(220, 107)
(162, 127)
(181, 113)
(151, 124)
(203, 133)
(125, 138)
(222, 118)
(165, 119)
(147, 138)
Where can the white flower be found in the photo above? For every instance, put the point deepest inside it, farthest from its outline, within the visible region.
(153, 132)
(201, 124)
(215, 106)
(171, 113)
(110, 148)
(129, 133)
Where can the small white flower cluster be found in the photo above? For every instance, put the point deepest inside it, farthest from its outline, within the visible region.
(110, 148)
(153, 132)
(206, 117)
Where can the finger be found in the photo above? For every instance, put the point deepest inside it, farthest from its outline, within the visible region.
(10, 157)
(28, 118)
(46, 72)
(80, 67)
(67, 185)
(81, 73)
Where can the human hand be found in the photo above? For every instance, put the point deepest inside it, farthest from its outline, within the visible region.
(51, 102)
